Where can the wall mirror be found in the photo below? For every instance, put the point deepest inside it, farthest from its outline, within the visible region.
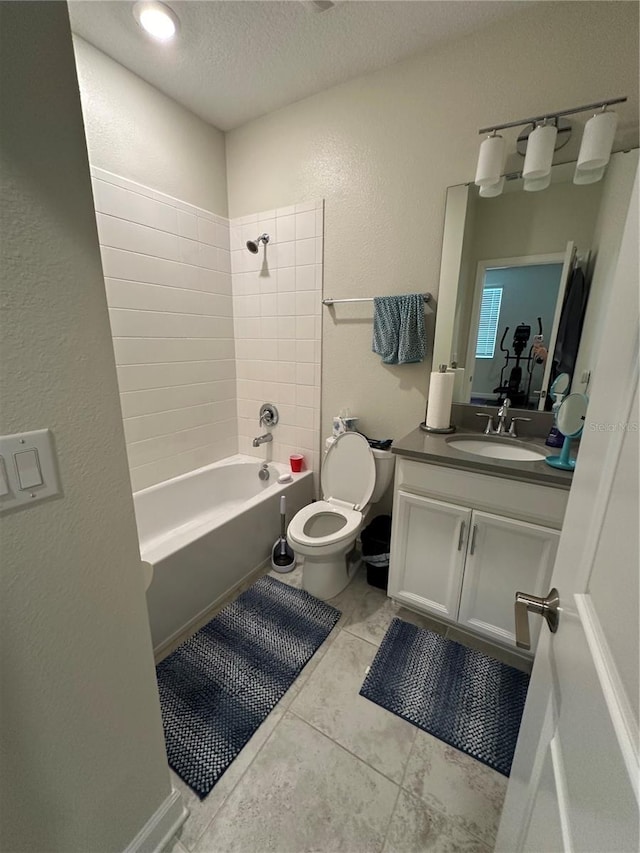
(523, 283)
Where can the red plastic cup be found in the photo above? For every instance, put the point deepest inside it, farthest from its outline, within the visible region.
(297, 461)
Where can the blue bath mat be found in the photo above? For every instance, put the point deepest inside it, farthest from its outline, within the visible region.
(459, 695)
(217, 687)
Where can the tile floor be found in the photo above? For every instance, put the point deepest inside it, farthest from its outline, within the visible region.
(330, 771)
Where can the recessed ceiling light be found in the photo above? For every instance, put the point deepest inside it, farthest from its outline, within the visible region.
(155, 18)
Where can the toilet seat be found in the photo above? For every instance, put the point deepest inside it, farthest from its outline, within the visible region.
(348, 478)
(353, 520)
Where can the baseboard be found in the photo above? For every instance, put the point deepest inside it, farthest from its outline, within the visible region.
(200, 620)
(161, 826)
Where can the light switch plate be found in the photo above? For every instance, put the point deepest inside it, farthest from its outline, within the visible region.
(11, 446)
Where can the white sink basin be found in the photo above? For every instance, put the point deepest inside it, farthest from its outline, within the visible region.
(496, 449)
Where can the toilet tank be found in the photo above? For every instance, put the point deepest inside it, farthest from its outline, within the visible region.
(385, 465)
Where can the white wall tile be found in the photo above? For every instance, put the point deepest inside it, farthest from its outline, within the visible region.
(138, 377)
(306, 277)
(122, 234)
(135, 403)
(164, 423)
(305, 328)
(286, 305)
(168, 282)
(305, 252)
(286, 279)
(278, 360)
(285, 229)
(130, 205)
(158, 350)
(286, 254)
(304, 374)
(154, 297)
(307, 302)
(130, 323)
(187, 225)
(133, 266)
(305, 225)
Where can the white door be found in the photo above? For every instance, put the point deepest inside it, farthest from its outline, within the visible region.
(504, 556)
(574, 780)
(427, 553)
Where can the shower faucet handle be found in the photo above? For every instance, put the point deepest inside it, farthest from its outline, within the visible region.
(268, 415)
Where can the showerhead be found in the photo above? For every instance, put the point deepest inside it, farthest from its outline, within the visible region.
(254, 245)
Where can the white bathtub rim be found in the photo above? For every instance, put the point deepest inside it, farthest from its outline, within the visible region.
(221, 463)
(159, 547)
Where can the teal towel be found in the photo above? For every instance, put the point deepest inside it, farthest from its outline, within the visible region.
(398, 328)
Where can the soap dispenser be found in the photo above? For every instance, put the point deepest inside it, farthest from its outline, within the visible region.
(558, 390)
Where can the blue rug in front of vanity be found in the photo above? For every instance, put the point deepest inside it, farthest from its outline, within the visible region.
(217, 687)
(460, 695)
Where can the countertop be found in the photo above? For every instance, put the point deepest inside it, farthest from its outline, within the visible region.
(427, 447)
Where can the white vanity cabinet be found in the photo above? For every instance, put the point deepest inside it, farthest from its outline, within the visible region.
(463, 543)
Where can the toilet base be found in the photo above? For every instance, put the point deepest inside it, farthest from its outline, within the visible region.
(327, 577)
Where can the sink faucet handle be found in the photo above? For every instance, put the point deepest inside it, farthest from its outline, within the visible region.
(512, 426)
(489, 416)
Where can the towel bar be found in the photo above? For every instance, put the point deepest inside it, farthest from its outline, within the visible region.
(427, 298)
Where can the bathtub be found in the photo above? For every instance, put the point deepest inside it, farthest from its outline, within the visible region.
(205, 533)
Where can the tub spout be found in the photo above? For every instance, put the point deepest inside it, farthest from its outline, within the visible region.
(262, 439)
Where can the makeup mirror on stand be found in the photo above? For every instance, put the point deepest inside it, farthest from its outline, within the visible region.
(570, 419)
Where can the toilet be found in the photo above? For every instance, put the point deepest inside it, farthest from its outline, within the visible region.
(353, 478)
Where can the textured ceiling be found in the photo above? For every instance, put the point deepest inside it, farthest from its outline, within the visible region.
(234, 60)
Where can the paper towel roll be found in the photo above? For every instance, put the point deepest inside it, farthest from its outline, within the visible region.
(439, 403)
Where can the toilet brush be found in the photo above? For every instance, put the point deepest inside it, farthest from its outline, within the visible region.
(282, 557)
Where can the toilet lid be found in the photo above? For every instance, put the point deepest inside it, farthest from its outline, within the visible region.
(349, 470)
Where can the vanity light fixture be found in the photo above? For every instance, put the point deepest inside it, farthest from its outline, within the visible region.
(492, 190)
(490, 161)
(540, 148)
(157, 19)
(542, 141)
(595, 150)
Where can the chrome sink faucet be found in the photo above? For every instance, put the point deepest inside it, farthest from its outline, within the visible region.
(501, 429)
(502, 416)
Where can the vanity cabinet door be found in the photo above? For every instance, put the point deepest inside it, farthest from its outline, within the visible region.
(504, 556)
(427, 553)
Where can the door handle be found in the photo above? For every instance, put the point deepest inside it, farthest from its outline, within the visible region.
(525, 604)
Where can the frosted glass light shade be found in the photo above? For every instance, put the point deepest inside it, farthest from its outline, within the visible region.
(540, 148)
(492, 190)
(532, 185)
(588, 176)
(490, 161)
(597, 141)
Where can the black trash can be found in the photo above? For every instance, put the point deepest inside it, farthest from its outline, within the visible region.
(376, 541)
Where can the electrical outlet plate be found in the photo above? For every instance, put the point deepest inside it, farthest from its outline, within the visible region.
(26, 458)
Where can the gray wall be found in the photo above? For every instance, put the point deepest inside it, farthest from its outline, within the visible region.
(382, 149)
(136, 131)
(83, 760)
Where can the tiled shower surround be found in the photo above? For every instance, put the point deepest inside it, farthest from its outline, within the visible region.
(277, 297)
(197, 349)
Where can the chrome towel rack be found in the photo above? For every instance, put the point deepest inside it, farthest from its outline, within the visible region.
(328, 301)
